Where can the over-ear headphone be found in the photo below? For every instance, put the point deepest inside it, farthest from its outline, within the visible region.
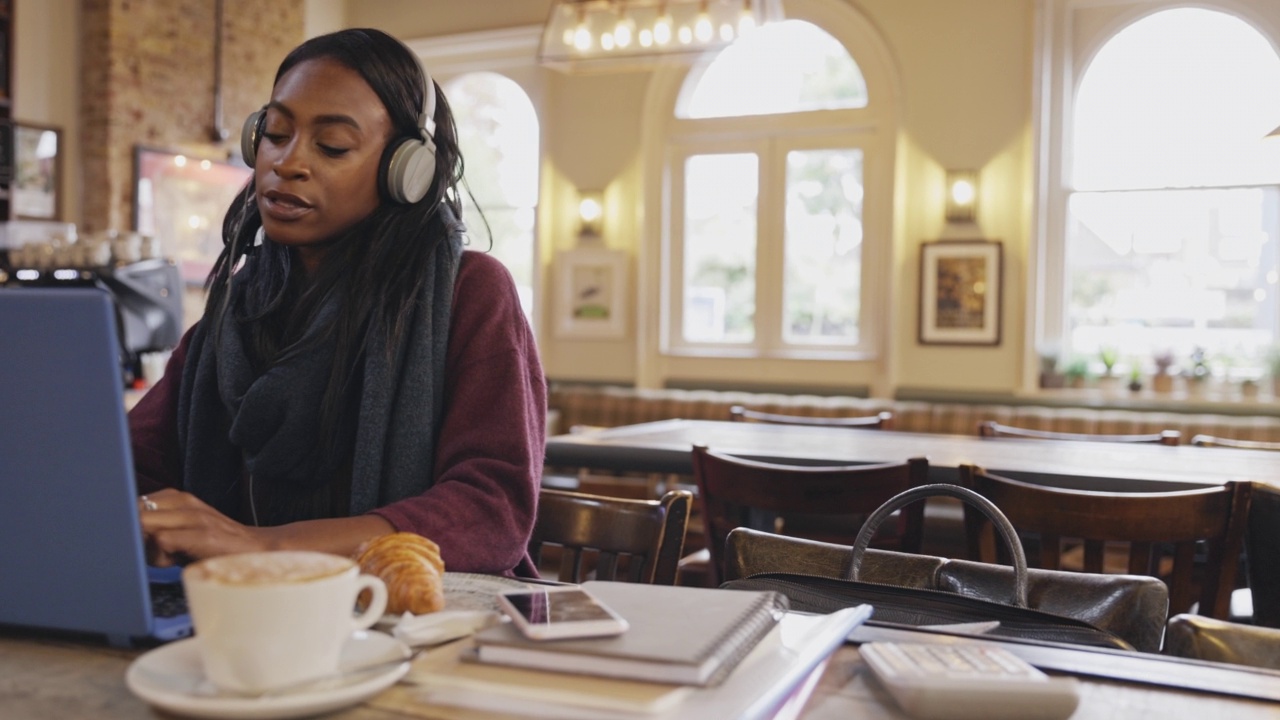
(406, 172)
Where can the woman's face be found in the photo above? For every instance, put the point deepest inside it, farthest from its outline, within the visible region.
(316, 168)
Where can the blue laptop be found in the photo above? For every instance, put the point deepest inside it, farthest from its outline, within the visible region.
(71, 555)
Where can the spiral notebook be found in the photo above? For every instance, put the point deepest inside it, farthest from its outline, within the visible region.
(680, 635)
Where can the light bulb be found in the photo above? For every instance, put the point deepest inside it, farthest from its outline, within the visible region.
(702, 28)
(747, 22)
(646, 37)
(962, 192)
(606, 42)
(622, 33)
(568, 36)
(662, 29)
(726, 32)
(685, 34)
(582, 38)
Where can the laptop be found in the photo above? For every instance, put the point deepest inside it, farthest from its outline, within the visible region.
(71, 553)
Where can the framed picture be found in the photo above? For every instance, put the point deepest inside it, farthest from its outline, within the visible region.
(592, 293)
(181, 200)
(37, 172)
(960, 289)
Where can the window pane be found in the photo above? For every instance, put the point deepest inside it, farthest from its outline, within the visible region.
(498, 135)
(785, 67)
(720, 248)
(1181, 98)
(1173, 270)
(823, 246)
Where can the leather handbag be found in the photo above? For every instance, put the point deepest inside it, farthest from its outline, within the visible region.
(914, 598)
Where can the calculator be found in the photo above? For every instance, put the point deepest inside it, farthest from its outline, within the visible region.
(968, 680)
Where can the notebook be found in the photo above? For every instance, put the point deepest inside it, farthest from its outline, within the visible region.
(71, 554)
(683, 635)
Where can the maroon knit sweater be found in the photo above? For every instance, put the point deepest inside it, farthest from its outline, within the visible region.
(489, 454)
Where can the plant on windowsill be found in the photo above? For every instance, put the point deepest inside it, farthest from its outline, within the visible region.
(1077, 373)
(1109, 355)
(1135, 378)
(1049, 375)
(1199, 374)
(1273, 369)
(1162, 381)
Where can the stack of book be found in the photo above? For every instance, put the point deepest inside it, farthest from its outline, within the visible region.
(689, 653)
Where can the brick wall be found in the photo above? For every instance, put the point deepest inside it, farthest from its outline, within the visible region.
(148, 78)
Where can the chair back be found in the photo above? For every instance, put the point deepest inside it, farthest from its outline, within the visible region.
(734, 492)
(1211, 441)
(879, 421)
(1146, 521)
(1262, 545)
(618, 538)
(1130, 607)
(990, 428)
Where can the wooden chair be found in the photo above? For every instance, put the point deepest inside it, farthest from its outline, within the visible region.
(734, 492)
(879, 421)
(1211, 441)
(1216, 515)
(990, 428)
(630, 540)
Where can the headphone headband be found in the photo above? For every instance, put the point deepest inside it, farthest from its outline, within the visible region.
(407, 171)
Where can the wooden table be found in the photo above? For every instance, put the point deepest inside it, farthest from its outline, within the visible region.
(665, 446)
(48, 679)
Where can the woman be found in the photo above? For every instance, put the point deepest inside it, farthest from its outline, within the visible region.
(355, 372)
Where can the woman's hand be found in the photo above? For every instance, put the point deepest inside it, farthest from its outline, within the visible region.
(179, 526)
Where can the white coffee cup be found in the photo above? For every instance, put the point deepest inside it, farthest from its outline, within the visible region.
(268, 619)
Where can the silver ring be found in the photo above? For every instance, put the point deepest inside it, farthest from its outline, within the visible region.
(149, 504)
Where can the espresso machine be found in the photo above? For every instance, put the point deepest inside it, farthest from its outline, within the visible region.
(147, 293)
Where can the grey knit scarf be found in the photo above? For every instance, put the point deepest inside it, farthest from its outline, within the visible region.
(234, 423)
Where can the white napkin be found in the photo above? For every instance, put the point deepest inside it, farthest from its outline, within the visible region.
(443, 626)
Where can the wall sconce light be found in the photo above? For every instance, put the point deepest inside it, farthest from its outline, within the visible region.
(590, 214)
(962, 195)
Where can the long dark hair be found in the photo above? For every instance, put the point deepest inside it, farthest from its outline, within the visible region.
(374, 269)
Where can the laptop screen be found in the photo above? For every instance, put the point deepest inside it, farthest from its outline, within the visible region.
(71, 553)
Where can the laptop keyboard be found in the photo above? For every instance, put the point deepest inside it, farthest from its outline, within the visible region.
(168, 600)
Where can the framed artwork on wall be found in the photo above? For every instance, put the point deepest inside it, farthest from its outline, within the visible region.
(592, 293)
(37, 172)
(960, 292)
(181, 200)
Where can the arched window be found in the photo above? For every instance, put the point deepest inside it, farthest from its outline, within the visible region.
(1170, 211)
(498, 134)
(768, 150)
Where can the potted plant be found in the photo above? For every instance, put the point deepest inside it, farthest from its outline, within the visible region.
(1077, 372)
(1135, 378)
(1162, 381)
(1049, 375)
(1109, 355)
(1198, 374)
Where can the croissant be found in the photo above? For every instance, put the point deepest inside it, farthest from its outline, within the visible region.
(411, 567)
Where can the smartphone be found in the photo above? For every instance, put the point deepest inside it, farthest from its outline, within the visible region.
(560, 612)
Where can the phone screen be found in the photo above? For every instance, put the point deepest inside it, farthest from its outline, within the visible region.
(540, 607)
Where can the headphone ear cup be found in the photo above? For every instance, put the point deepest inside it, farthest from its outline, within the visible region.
(411, 170)
(249, 136)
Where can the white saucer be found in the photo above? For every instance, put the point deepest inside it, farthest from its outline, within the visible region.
(465, 591)
(171, 677)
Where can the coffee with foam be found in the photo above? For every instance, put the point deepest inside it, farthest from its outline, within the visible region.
(269, 568)
(270, 619)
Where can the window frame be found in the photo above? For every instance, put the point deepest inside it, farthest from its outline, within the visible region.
(1069, 35)
(872, 129)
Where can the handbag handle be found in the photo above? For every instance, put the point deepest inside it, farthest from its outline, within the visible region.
(964, 494)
